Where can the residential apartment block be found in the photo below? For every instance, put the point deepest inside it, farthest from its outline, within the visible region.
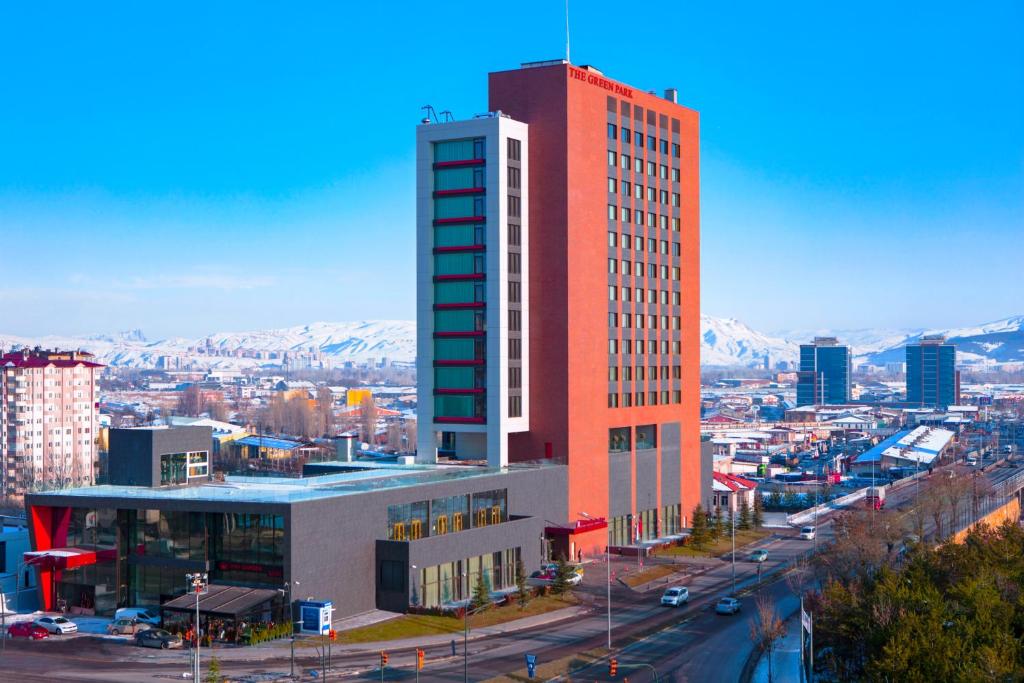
(49, 419)
(559, 295)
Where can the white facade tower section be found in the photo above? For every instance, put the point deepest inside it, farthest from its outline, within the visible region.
(472, 285)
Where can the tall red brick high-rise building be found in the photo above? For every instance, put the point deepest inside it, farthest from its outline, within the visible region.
(608, 284)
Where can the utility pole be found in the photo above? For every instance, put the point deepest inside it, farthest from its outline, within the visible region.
(732, 518)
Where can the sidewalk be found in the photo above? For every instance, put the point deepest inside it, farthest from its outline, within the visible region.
(785, 658)
(281, 648)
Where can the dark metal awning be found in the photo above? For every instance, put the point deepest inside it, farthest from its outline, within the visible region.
(229, 601)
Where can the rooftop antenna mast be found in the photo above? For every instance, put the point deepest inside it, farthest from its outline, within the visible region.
(567, 32)
(447, 115)
(430, 114)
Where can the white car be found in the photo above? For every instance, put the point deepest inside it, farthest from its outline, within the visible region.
(140, 614)
(57, 625)
(675, 596)
(807, 533)
(972, 462)
(727, 606)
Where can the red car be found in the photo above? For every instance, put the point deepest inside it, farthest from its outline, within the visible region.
(26, 629)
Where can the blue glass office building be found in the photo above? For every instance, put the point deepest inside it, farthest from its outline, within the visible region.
(824, 376)
(932, 379)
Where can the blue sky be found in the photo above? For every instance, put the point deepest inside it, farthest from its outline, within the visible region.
(188, 168)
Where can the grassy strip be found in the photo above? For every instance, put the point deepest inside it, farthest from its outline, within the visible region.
(650, 574)
(720, 547)
(419, 625)
(548, 670)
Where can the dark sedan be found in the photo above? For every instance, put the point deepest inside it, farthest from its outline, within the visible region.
(157, 637)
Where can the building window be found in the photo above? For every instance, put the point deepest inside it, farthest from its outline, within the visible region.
(613, 320)
(625, 161)
(625, 135)
(513, 177)
(639, 165)
(675, 199)
(514, 149)
(613, 293)
(613, 373)
(611, 184)
(612, 239)
(663, 171)
(619, 440)
(515, 378)
(646, 437)
(613, 212)
(677, 396)
(515, 348)
(676, 249)
(625, 241)
(675, 273)
(515, 406)
(638, 138)
(624, 214)
(652, 168)
(664, 146)
(627, 320)
(664, 196)
(612, 265)
(514, 206)
(612, 131)
(514, 320)
(627, 400)
(675, 224)
(613, 346)
(613, 400)
(675, 150)
(613, 158)
(638, 217)
(514, 291)
(675, 175)
(652, 143)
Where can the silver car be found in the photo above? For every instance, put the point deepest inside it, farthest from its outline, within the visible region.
(727, 606)
(57, 625)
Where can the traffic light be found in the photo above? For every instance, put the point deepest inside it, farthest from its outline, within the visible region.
(613, 667)
(383, 659)
(419, 658)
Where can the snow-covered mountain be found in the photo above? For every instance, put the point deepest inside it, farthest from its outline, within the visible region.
(727, 341)
(359, 342)
(1000, 342)
(724, 342)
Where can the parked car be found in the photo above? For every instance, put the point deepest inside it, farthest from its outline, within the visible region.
(553, 567)
(126, 627)
(759, 555)
(57, 625)
(727, 606)
(675, 596)
(142, 614)
(972, 461)
(157, 637)
(27, 629)
(807, 533)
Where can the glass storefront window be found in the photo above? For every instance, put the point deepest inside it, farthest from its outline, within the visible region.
(489, 507)
(408, 521)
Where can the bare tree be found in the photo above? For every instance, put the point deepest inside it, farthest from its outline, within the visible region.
(368, 418)
(190, 402)
(410, 435)
(766, 628)
(325, 410)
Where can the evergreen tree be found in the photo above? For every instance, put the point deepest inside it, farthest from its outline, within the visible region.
(481, 596)
(717, 524)
(744, 521)
(699, 532)
(790, 500)
(563, 571)
(758, 516)
(522, 590)
(213, 671)
(775, 500)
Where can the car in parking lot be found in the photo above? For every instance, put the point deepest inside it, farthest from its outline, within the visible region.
(807, 533)
(759, 555)
(727, 606)
(27, 629)
(126, 627)
(157, 637)
(675, 596)
(142, 614)
(57, 625)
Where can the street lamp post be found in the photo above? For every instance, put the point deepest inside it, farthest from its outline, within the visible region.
(199, 585)
(608, 585)
(732, 520)
(291, 620)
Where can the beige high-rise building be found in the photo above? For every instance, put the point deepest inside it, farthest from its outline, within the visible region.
(49, 419)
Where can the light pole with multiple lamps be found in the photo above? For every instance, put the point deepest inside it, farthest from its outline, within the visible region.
(199, 583)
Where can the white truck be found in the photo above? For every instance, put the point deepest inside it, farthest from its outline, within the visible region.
(875, 497)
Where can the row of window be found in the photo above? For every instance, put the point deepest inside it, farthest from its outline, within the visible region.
(638, 139)
(515, 406)
(626, 215)
(637, 269)
(651, 372)
(460, 150)
(626, 346)
(625, 240)
(620, 439)
(636, 190)
(640, 398)
(654, 170)
(440, 516)
(616, 293)
(644, 322)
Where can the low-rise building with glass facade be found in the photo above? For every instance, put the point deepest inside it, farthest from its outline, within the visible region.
(374, 536)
